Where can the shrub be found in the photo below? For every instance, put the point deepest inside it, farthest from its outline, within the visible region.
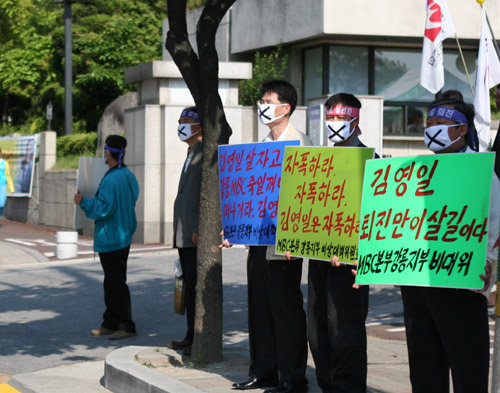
(266, 67)
(77, 144)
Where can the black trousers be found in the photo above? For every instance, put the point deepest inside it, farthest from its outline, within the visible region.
(188, 263)
(118, 314)
(276, 318)
(336, 315)
(446, 328)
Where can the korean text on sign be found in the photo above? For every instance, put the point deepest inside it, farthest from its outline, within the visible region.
(320, 200)
(424, 220)
(249, 180)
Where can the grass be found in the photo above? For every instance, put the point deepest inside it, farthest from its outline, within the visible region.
(198, 361)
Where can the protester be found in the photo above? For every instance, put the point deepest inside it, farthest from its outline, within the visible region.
(276, 318)
(6, 184)
(336, 312)
(448, 328)
(473, 139)
(113, 209)
(186, 210)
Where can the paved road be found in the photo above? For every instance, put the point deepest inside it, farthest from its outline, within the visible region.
(48, 308)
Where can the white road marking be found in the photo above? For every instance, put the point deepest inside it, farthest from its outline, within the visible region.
(44, 242)
(24, 243)
(393, 330)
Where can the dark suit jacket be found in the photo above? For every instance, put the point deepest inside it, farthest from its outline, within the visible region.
(187, 202)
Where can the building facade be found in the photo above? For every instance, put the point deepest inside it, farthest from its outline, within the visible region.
(362, 47)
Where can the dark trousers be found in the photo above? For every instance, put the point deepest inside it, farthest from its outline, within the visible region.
(276, 318)
(446, 328)
(118, 314)
(188, 263)
(336, 315)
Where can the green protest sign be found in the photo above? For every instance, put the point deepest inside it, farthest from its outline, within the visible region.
(319, 203)
(424, 220)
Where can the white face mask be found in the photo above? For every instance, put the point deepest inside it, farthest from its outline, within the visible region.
(340, 130)
(267, 113)
(437, 137)
(185, 131)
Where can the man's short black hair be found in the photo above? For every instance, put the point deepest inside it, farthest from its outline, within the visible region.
(471, 137)
(452, 94)
(116, 142)
(343, 98)
(285, 91)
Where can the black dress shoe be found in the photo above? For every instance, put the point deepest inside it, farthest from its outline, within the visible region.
(254, 383)
(286, 387)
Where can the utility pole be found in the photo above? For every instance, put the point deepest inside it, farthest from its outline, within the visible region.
(68, 67)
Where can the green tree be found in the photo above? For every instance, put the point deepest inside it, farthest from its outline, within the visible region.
(266, 67)
(25, 54)
(108, 36)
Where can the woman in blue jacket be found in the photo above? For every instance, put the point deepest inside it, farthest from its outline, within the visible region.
(113, 209)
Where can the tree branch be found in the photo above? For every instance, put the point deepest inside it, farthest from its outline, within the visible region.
(206, 30)
(180, 48)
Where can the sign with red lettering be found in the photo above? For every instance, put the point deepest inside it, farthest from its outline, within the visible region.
(320, 199)
(249, 179)
(424, 220)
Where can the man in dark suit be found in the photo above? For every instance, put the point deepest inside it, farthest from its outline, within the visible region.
(276, 318)
(336, 312)
(186, 216)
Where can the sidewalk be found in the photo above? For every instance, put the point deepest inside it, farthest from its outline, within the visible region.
(163, 370)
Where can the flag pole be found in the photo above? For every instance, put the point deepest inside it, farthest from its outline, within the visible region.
(465, 65)
(492, 35)
(496, 342)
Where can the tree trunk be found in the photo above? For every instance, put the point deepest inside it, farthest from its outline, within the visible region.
(201, 74)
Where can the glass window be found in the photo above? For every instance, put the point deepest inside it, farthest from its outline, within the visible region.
(393, 120)
(313, 73)
(348, 71)
(397, 75)
(455, 77)
(415, 120)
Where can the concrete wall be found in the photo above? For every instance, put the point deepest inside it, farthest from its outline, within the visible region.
(56, 207)
(261, 23)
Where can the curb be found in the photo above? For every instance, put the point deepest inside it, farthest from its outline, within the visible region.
(34, 253)
(122, 374)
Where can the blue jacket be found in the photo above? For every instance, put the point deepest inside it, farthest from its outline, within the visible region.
(113, 210)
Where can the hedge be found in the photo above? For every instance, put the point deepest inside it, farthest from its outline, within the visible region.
(84, 144)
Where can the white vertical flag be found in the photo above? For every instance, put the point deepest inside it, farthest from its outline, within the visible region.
(487, 76)
(438, 27)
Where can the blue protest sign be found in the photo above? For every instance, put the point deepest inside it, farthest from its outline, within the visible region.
(250, 179)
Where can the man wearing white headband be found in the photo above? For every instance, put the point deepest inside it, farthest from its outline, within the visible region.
(186, 213)
(113, 209)
(447, 328)
(276, 318)
(336, 312)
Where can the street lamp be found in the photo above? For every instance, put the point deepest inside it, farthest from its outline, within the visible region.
(68, 66)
